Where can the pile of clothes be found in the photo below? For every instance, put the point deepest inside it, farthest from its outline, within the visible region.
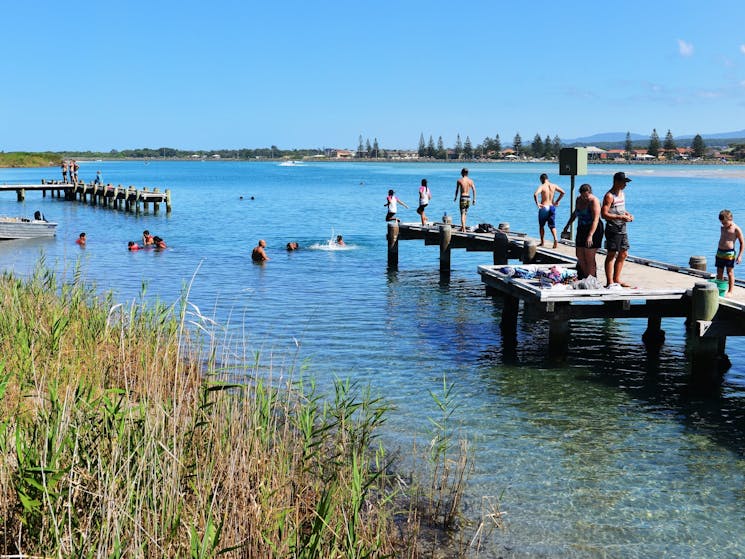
(555, 276)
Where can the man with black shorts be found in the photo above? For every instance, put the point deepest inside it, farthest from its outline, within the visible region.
(616, 217)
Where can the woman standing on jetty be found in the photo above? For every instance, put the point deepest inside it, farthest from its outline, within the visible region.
(589, 230)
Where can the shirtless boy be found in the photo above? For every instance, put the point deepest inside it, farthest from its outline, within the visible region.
(547, 206)
(726, 249)
(464, 186)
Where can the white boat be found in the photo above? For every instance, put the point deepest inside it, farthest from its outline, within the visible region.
(290, 163)
(23, 228)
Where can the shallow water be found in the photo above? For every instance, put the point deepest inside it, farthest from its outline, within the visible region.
(611, 454)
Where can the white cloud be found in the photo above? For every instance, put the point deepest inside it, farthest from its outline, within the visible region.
(742, 49)
(685, 49)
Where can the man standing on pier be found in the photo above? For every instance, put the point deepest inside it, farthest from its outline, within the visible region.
(547, 206)
(464, 186)
(616, 217)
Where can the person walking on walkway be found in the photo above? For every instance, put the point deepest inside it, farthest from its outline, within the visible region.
(464, 186)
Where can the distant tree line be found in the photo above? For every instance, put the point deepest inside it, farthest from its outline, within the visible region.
(489, 148)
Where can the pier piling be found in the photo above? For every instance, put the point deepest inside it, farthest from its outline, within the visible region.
(446, 231)
(392, 237)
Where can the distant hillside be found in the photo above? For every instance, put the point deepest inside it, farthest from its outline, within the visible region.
(608, 140)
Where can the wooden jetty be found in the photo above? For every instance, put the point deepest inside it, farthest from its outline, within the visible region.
(127, 198)
(661, 290)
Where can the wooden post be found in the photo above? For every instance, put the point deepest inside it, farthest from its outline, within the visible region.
(446, 231)
(21, 194)
(501, 246)
(392, 237)
(697, 263)
(510, 309)
(705, 352)
(654, 335)
(156, 205)
(168, 200)
(529, 251)
(558, 332)
(144, 200)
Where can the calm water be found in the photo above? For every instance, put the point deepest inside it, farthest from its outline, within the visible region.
(613, 454)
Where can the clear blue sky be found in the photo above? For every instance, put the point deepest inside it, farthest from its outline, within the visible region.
(82, 75)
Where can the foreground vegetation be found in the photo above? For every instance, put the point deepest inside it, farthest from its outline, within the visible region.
(25, 159)
(121, 435)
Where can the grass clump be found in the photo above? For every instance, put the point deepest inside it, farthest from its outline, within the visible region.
(120, 436)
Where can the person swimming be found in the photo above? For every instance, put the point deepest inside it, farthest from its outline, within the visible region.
(131, 245)
(340, 241)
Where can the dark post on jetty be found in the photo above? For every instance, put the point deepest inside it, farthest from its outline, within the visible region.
(118, 197)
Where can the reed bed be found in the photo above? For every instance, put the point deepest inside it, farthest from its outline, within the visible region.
(124, 433)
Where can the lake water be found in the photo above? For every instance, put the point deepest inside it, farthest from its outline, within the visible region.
(612, 454)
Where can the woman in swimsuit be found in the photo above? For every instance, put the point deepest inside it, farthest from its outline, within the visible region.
(589, 230)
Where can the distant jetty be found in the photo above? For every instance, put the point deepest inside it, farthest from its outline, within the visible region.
(127, 198)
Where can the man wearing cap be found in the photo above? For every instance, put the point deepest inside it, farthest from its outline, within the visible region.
(616, 217)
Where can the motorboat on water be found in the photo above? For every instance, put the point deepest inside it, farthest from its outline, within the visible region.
(290, 163)
(24, 228)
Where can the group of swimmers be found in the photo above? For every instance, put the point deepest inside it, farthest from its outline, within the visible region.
(148, 241)
(258, 254)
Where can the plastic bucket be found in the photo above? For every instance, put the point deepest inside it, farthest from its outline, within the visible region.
(722, 286)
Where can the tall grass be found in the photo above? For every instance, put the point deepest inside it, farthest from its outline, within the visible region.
(121, 436)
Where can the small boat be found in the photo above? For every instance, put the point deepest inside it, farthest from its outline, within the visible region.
(290, 163)
(23, 228)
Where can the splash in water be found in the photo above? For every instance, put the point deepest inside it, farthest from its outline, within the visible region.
(336, 242)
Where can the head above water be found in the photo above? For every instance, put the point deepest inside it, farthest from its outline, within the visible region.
(262, 243)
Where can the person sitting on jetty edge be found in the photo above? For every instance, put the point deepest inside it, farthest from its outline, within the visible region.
(131, 245)
(292, 245)
(81, 240)
(258, 254)
(147, 238)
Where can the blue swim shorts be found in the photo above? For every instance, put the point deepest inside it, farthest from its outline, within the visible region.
(547, 216)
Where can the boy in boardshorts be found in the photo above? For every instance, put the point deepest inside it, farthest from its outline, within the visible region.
(725, 258)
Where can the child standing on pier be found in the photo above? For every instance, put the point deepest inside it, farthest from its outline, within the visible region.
(725, 258)
(391, 203)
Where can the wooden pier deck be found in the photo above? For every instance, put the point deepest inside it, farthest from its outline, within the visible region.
(127, 198)
(660, 290)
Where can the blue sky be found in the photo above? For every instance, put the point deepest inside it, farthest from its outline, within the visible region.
(85, 75)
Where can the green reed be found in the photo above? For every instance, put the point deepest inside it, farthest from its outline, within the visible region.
(136, 431)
